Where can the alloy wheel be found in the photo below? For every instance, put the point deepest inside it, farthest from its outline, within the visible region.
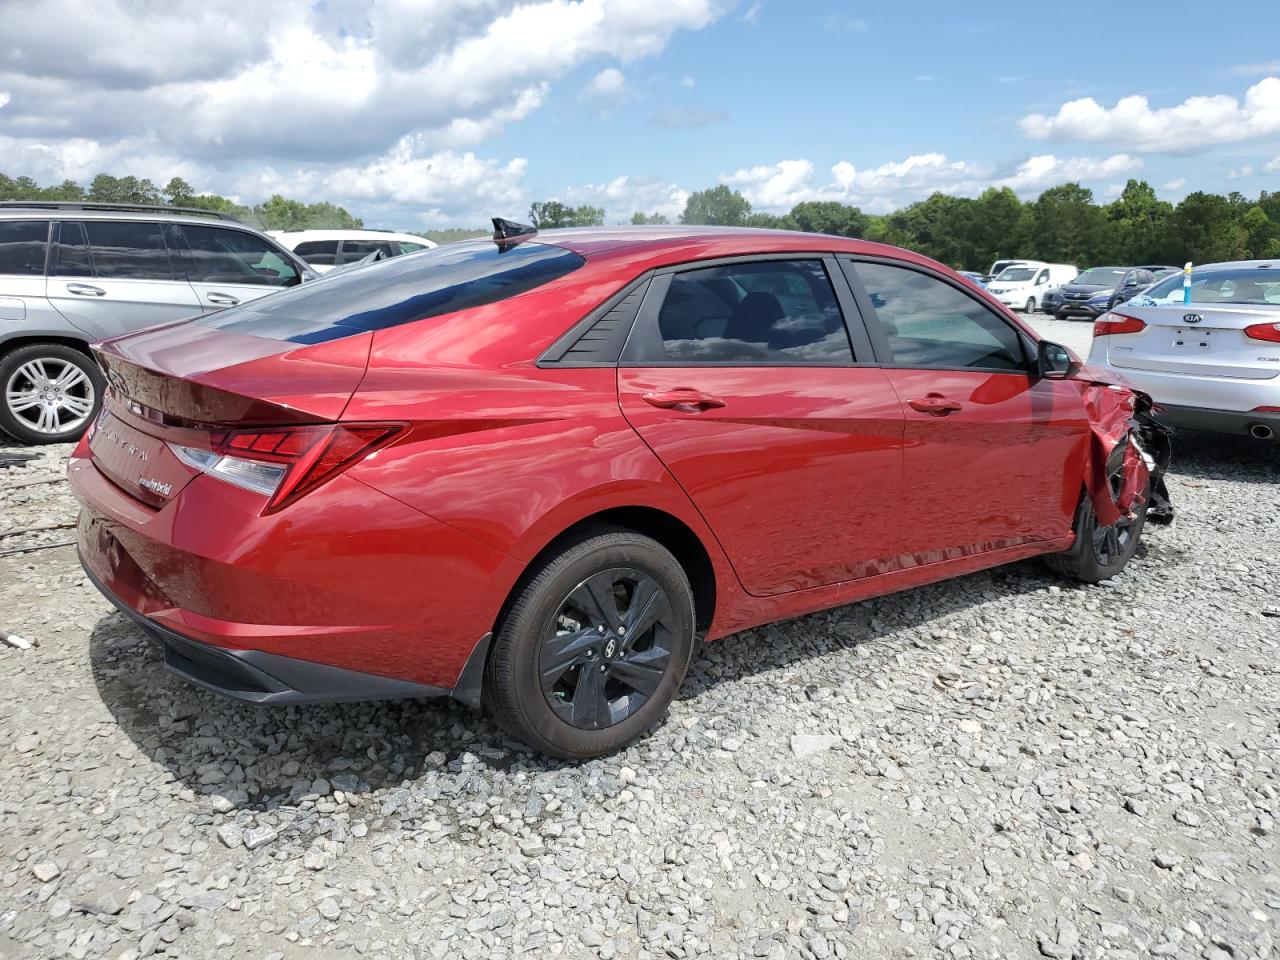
(609, 648)
(50, 395)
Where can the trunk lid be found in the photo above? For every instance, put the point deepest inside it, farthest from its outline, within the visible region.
(184, 382)
(1200, 339)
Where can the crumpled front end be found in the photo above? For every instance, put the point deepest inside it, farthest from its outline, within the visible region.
(1129, 451)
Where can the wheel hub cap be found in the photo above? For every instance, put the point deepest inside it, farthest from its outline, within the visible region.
(608, 649)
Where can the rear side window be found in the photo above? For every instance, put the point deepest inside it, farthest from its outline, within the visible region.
(449, 278)
(128, 249)
(404, 246)
(23, 244)
(931, 324)
(221, 255)
(70, 250)
(769, 312)
(320, 253)
(356, 250)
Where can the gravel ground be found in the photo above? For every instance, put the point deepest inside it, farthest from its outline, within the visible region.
(1001, 766)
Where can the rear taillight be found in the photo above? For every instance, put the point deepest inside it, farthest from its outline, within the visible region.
(283, 463)
(1112, 323)
(1264, 331)
(1266, 410)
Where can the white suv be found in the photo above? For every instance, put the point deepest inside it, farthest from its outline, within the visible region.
(326, 249)
(74, 273)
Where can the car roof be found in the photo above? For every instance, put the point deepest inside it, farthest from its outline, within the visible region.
(24, 211)
(1237, 265)
(663, 245)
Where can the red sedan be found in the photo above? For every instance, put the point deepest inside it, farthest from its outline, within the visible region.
(534, 472)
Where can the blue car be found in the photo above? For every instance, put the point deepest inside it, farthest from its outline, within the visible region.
(977, 278)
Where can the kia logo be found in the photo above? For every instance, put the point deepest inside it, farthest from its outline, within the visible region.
(1191, 318)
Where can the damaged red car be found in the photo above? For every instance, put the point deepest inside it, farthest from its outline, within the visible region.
(534, 472)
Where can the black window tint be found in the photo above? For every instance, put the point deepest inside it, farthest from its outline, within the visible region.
(929, 323)
(128, 249)
(355, 250)
(444, 280)
(322, 253)
(404, 246)
(70, 250)
(22, 247)
(770, 311)
(225, 255)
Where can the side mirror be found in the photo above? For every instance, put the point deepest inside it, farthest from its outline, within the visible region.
(1054, 362)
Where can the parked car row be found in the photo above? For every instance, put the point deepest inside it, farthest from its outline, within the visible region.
(75, 273)
(1098, 289)
(1022, 285)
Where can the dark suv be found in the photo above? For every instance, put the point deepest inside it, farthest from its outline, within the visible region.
(1095, 290)
(74, 273)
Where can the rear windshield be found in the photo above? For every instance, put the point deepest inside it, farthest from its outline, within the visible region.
(1250, 285)
(413, 287)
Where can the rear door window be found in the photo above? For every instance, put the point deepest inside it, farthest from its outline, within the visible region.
(354, 251)
(319, 253)
(928, 323)
(223, 255)
(765, 312)
(70, 250)
(128, 250)
(23, 244)
(449, 278)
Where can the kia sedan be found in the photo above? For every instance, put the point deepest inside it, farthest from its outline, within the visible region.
(1211, 364)
(535, 472)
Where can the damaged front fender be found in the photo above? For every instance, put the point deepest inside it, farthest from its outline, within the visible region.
(1129, 451)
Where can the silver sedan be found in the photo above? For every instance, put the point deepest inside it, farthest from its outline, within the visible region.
(1211, 364)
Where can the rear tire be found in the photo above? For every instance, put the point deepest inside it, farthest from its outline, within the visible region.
(1100, 553)
(49, 393)
(592, 651)
(1030, 305)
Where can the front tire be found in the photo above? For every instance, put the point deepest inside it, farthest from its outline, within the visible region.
(49, 393)
(1099, 552)
(594, 648)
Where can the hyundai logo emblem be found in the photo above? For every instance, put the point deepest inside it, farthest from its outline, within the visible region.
(610, 648)
(1191, 318)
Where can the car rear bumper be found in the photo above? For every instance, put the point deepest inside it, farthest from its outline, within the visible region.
(1260, 426)
(295, 607)
(266, 678)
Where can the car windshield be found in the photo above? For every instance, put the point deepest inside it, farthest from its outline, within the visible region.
(400, 290)
(1100, 277)
(1246, 285)
(1016, 274)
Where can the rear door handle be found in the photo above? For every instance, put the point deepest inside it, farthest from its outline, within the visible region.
(85, 290)
(683, 397)
(934, 403)
(222, 299)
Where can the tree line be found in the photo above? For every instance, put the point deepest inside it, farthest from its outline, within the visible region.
(277, 213)
(1064, 224)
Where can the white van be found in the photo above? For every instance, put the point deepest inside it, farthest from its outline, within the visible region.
(1000, 265)
(1023, 286)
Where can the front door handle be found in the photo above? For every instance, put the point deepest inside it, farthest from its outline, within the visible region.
(682, 398)
(85, 290)
(222, 299)
(935, 404)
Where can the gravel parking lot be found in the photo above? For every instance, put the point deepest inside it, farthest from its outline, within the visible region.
(1001, 766)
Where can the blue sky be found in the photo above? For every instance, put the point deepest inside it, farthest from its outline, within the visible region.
(442, 112)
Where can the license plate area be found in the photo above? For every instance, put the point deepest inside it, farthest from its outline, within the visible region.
(140, 465)
(1191, 340)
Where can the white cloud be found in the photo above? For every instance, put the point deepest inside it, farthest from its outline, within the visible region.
(779, 186)
(752, 14)
(609, 82)
(623, 196)
(4, 98)
(1269, 68)
(1047, 170)
(1273, 165)
(1176, 184)
(842, 21)
(1240, 172)
(1194, 124)
(688, 82)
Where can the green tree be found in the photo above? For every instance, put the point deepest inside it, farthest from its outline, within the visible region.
(588, 216)
(177, 191)
(1137, 229)
(1206, 230)
(997, 224)
(718, 206)
(279, 213)
(656, 219)
(1067, 226)
(829, 216)
(770, 221)
(1262, 234)
(108, 189)
(551, 214)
